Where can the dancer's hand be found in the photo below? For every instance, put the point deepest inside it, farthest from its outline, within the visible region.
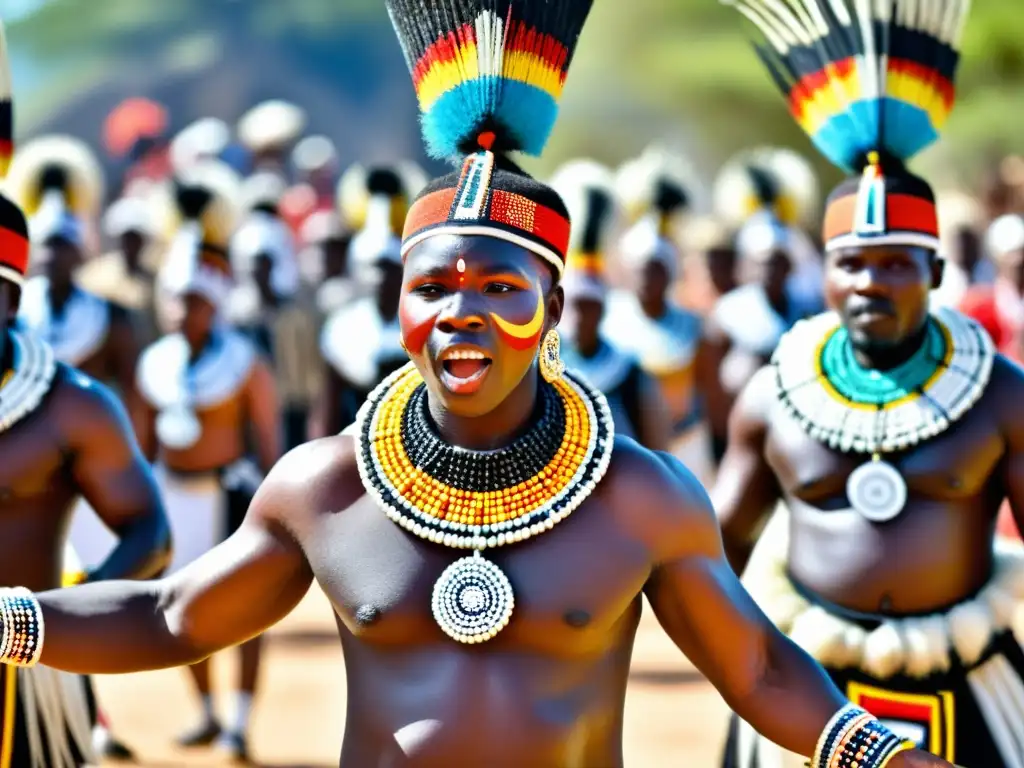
(915, 758)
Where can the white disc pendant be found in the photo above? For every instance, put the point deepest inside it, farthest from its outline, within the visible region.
(178, 428)
(877, 491)
(472, 600)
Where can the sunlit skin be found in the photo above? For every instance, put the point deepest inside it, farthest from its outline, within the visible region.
(500, 305)
(956, 480)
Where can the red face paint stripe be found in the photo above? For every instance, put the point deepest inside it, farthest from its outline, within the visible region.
(414, 333)
(14, 251)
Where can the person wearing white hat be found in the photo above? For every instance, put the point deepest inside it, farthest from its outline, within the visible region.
(360, 342)
(264, 305)
(588, 191)
(125, 275)
(644, 322)
(999, 307)
(57, 180)
(268, 130)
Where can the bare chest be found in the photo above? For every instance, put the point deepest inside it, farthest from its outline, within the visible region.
(956, 465)
(573, 585)
(32, 464)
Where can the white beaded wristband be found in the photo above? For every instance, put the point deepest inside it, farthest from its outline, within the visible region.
(21, 643)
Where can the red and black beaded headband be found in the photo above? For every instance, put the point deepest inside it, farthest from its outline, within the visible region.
(477, 205)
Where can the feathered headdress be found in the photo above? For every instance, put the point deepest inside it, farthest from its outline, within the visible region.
(204, 208)
(379, 239)
(872, 84)
(588, 191)
(14, 240)
(767, 178)
(58, 182)
(488, 75)
(353, 193)
(655, 190)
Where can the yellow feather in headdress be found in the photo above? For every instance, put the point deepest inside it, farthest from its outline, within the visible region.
(220, 213)
(782, 175)
(642, 181)
(58, 168)
(353, 196)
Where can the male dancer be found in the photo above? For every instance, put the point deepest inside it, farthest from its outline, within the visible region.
(588, 191)
(56, 178)
(890, 434)
(482, 534)
(265, 305)
(201, 391)
(62, 436)
(645, 323)
(125, 275)
(361, 342)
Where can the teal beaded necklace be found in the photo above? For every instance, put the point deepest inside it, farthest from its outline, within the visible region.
(880, 388)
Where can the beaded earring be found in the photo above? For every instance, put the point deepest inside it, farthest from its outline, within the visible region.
(551, 365)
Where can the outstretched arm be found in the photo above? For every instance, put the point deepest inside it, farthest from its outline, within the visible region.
(113, 476)
(698, 599)
(746, 490)
(231, 594)
(764, 677)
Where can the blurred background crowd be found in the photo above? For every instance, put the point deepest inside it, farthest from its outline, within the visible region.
(305, 111)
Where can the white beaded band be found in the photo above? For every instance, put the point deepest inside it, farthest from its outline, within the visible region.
(21, 617)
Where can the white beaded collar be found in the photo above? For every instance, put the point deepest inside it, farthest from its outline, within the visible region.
(34, 369)
(806, 392)
(165, 378)
(78, 333)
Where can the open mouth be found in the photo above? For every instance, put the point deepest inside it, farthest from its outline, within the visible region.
(463, 370)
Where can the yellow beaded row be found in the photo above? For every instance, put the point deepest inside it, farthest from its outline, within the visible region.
(441, 501)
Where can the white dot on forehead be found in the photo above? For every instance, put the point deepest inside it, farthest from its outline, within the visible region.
(461, 264)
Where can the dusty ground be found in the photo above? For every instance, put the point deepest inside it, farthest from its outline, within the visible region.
(673, 717)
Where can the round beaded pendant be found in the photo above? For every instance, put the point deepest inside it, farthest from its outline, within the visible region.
(472, 600)
(877, 490)
(478, 499)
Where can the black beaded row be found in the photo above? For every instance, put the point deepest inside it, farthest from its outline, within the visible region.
(483, 471)
(867, 747)
(823, 754)
(22, 627)
(602, 446)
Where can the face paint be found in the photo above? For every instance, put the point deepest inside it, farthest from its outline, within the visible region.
(522, 337)
(460, 265)
(415, 330)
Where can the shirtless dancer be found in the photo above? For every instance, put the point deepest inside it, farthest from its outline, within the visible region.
(892, 436)
(62, 436)
(512, 655)
(644, 322)
(588, 191)
(57, 178)
(201, 391)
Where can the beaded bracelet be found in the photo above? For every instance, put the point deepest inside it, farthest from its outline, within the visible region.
(21, 622)
(855, 739)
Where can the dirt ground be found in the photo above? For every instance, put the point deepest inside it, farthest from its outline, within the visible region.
(673, 717)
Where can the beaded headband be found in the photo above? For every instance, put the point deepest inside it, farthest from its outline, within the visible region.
(872, 84)
(488, 76)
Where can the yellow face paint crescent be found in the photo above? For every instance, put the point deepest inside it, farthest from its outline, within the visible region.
(521, 337)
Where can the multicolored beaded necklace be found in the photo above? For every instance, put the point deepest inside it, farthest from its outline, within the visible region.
(857, 410)
(478, 499)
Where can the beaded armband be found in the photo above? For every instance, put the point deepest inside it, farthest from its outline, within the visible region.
(21, 620)
(855, 739)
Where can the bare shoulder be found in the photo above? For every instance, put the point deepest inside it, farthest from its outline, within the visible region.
(317, 478)
(659, 499)
(1005, 392)
(82, 408)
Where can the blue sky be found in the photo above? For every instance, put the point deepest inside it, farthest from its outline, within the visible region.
(11, 10)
